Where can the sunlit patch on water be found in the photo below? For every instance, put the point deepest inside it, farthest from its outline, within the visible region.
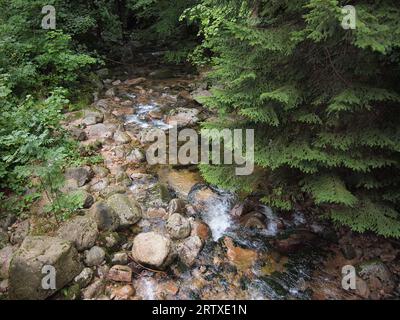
(141, 117)
(146, 288)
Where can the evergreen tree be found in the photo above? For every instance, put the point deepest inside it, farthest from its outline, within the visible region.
(322, 99)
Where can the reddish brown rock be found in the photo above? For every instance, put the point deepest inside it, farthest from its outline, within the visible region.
(120, 273)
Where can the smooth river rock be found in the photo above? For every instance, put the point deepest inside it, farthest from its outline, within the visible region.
(152, 249)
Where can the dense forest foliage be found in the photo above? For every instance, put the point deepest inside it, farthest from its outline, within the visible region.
(322, 99)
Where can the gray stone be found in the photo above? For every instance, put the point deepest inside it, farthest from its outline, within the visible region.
(100, 131)
(178, 226)
(121, 137)
(183, 117)
(92, 118)
(152, 249)
(27, 264)
(120, 258)
(189, 249)
(94, 257)
(84, 278)
(105, 217)
(81, 175)
(176, 206)
(94, 290)
(99, 185)
(135, 156)
(110, 93)
(78, 134)
(127, 209)
(81, 230)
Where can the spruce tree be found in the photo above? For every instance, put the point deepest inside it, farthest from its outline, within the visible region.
(322, 99)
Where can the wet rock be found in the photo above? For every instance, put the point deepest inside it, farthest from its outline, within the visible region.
(253, 220)
(156, 114)
(116, 82)
(26, 267)
(81, 175)
(152, 249)
(20, 233)
(156, 213)
(189, 249)
(183, 117)
(121, 137)
(94, 257)
(377, 275)
(105, 217)
(201, 196)
(182, 181)
(120, 258)
(92, 118)
(200, 229)
(120, 273)
(123, 293)
(242, 258)
(135, 156)
(78, 134)
(134, 82)
(176, 206)
(94, 290)
(178, 226)
(84, 278)
(294, 242)
(81, 230)
(6, 255)
(127, 209)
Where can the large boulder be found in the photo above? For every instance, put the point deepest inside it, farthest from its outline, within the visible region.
(127, 209)
(27, 264)
(178, 226)
(105, 217)
(81, 230)
(152, 249)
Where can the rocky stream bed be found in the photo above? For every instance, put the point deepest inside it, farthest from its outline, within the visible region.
(159, 232)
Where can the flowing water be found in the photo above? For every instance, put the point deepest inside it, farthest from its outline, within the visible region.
(237, 262)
